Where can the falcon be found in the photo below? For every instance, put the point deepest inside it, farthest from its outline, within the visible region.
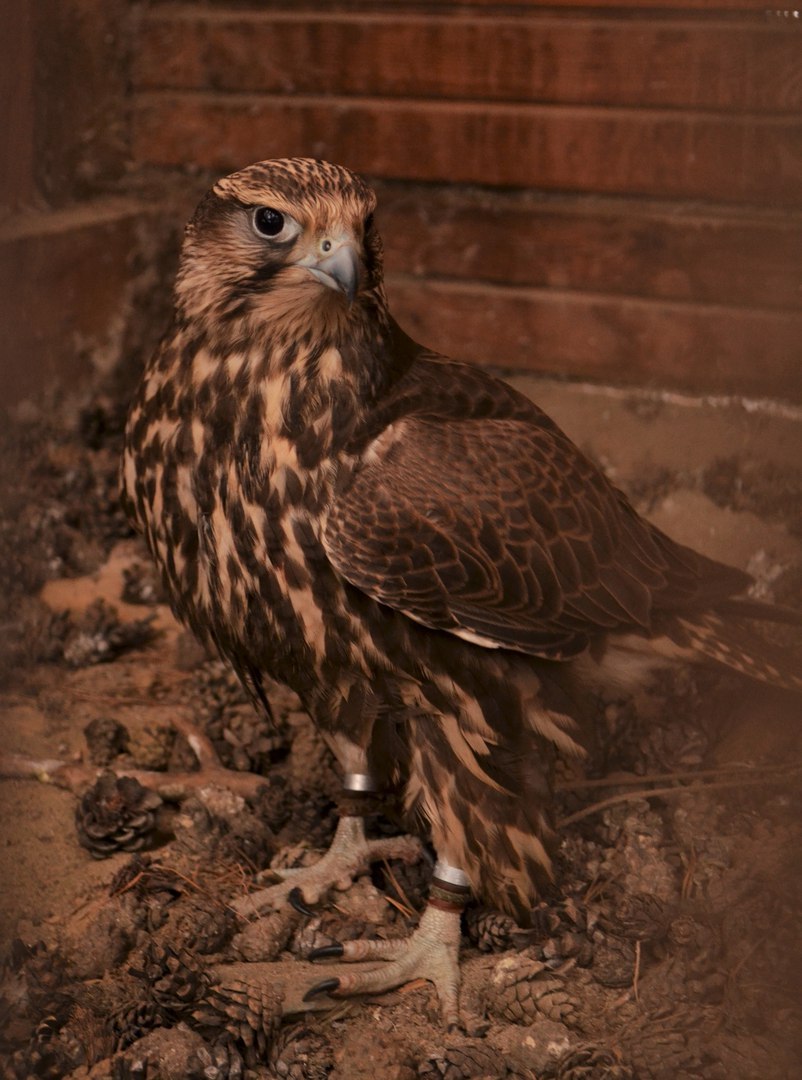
(407, 542)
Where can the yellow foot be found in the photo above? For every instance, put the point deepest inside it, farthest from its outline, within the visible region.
(350, 854)
(431, 952)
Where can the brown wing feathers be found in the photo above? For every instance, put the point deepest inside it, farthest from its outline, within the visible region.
(496, 525)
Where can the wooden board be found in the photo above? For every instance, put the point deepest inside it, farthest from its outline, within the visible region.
(590, 60)
(590, 244)
(691, 346)
(630, 152)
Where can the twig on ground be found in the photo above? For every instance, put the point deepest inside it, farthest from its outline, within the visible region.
(667, 792)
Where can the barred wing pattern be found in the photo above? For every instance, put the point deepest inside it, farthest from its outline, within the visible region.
(491, 524)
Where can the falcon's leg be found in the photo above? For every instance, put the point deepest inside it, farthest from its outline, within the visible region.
(350, 854)
(431, 952)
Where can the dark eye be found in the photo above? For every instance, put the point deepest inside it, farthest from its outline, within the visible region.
(267, 221)
(368, 224)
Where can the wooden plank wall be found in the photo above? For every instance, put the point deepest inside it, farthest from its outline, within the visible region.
(598, 191)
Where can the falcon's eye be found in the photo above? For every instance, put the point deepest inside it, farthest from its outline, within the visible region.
(267, 221)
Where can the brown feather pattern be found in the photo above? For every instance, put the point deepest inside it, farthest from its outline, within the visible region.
(410, 544)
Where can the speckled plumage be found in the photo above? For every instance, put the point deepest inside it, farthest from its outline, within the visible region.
(407, 542)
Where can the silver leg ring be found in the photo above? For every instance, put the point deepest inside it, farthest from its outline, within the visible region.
(359, 782)
(451, 875)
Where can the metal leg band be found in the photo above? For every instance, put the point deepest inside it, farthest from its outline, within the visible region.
(359, 783)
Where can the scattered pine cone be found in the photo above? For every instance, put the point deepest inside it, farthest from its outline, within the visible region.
(141, 584)
(199, 924)
(469, 1059)
(246, 740)
(151, 746)
(243, 736)
(174, 977)
(301, 1054)
(561, 932)
(663, 1046)
(106, 738)
(613, 960)
(590, 1062)
(247, 840)
(99, 636)
(51, 1059)
(638, 916)
(522, 988)
(134, 1018)
(264, 938)
(177, 1054)
(494, 931)
(43, 970)
(116, 814)
(249, 1012)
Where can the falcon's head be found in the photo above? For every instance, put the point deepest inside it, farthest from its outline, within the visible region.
(284, 247)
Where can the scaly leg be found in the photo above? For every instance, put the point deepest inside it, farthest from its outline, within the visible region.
(350, 854)
(431, 952)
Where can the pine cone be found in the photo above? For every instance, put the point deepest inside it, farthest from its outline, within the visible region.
(135, 1018)
(151, 746)
(660, 1051)
(249, 1012)
(561, 932)
(116, 815)
(613, 960)
(177, 1054)
(493, 931)
(590, 1062)
(522, 988)
(43, 968)
(52, 1059)
(246, 740)
(301, 1054)
(99, 636)
(638, 916)
(145, 876)
(264, 938)
(175, 978)
(244, 737)
(200, 925)
(566, 946)
(219, 1062)
(141, 584)
(105, 739)
(248, 840)
(274, 802)
(468, 1059)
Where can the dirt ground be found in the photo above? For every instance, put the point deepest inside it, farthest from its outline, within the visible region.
(669, 946)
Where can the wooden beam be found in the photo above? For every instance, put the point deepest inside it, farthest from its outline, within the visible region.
(622, 151)
(620, 247)
(618, 339)
(589, 59)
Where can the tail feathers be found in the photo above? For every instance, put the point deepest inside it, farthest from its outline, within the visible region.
(746, 607)
(737, 646)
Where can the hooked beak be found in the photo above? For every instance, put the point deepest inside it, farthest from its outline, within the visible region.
(339, 271)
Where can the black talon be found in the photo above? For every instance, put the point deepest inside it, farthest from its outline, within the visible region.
(296, 900)
(325, 986)
(326, 951)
